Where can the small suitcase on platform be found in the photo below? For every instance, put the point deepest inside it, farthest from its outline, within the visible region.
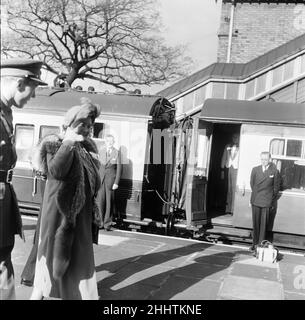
(266, 252)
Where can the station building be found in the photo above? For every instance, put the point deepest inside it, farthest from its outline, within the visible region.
(266, 57)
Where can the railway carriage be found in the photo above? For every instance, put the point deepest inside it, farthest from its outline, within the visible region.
(263, 126)
(129, 118)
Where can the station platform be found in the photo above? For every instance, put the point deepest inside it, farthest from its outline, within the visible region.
(139, 266)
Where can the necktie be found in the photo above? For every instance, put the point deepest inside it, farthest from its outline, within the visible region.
(233, 151)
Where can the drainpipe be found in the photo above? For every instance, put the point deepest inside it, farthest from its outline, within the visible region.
(230, 31)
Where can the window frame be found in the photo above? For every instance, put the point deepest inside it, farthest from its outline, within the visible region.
(46, 126)
(20, 162)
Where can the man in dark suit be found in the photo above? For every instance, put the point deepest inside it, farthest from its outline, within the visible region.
(110, 172)
(265, 186)
(19, 79)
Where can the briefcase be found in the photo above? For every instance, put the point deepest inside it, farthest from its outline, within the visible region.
(266, 252)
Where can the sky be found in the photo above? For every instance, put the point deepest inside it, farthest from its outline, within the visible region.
(193, 23)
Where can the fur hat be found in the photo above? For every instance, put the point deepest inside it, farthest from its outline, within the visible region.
(78, 113)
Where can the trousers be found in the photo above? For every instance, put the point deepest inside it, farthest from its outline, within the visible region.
(7, 283)
(28, 272)
(105, 200)
(260, 219)
(232, 175)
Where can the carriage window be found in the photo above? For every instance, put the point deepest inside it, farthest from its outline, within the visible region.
(202, 155)
(203, 149)
(295, 148)
(24, 141)
(277, 146)
(46, 130)
(98, 130)
(290, 162)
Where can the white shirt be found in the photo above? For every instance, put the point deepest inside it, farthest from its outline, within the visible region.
(230, 157)
(109, 150)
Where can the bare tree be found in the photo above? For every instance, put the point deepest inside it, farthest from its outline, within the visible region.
(116, 42)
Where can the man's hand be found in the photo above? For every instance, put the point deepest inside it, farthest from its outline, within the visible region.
(115, 186)
(222, 175)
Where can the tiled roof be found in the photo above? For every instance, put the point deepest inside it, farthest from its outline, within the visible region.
(236, 71)
(263, 1)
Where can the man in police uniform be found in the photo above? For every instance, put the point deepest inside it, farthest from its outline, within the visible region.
(19, 79)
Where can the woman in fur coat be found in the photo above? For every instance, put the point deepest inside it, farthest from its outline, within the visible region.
(69, 218)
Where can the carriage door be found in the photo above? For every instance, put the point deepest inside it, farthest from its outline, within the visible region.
(197, 173)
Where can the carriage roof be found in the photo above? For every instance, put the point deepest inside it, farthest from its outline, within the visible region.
(58, 101)
(243, 111)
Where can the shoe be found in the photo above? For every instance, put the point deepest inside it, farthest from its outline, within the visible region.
(27, 283)
(252, 248)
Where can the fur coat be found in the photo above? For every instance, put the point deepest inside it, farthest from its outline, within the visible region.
(70, 197)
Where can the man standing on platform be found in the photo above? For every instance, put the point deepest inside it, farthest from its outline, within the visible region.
(265, 186)
(229, 166)
(19, 79)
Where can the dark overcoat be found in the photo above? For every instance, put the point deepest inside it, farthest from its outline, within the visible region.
(65, 261)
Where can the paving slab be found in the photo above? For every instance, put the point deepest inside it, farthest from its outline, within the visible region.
(135, 273)
(213, 258)
(201, 271)
(244, 288)
(178, 287)
(293, 283)
(110, 240)
(165, 259)
(255, 271)
(139, 292)
(294, 296)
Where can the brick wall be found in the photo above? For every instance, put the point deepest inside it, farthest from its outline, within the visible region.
(258, 28)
